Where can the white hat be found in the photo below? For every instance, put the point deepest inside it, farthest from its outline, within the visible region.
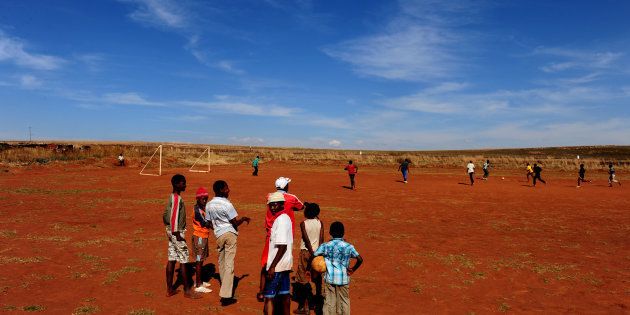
(282, 182)
(275, 197)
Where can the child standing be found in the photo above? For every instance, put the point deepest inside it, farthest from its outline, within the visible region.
(337, 254)
(471, 172)
(486, 169)
(174, 218)
(312, 235)
(611, 175)
(279, 259)
(352, 171)
(201, 232)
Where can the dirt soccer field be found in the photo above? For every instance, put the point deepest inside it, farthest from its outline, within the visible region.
(83, 239)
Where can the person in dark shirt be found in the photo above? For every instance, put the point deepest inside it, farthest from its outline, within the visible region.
(404, 168)
(581, 175)
(537, 171)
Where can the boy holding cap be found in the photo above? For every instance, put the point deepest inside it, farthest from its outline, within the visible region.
(279, 258)
(201, 231)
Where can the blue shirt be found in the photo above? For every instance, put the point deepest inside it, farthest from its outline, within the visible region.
(337, 254)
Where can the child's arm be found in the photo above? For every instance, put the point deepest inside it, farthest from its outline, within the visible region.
(321, 233)
(356, 266)
(238, 221)
(307, 241)
(272, 268)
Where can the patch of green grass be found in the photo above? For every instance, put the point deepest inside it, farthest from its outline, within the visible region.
(86, 309)
(142, 311)
(153, 201)
(33, 308)
(53, 238)
(20, 260)
(504, 307)
(115, 275)
(60, 226)
(8, 233)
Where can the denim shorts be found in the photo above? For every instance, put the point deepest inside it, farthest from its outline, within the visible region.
(278, 285)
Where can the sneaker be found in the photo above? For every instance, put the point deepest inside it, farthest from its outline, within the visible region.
(202, 289)
(206, 284)
(227, 301)
(405, 182)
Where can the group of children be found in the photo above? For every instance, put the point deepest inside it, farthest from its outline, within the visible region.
(612, 178)
(220, 216)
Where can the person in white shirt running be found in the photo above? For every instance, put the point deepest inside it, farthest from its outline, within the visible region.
(471, 172)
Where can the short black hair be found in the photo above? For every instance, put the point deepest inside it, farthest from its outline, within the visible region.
(337, 229)
(311, 210)
(177, 178)
(350, 162)
(218, 186)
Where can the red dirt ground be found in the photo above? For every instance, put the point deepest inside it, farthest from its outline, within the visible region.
(79, 236)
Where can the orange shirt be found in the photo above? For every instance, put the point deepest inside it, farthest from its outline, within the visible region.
(199, 216)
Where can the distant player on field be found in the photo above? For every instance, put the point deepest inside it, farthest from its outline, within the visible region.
(486, 170)
(611, 175)
(530, 171)
(404, 168)
(255, 165)
(471, 172)
(581, 175)
(352, 171)
(537, 170)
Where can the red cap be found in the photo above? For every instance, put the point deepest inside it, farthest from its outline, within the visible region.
(202, 192)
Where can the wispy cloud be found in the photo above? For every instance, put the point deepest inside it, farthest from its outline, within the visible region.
(419, 44)
(577, 59)
(161, 13)
(14, 50)
(93, 62)
(242, 108)
(229, 67)
(334, 143)
(29, 81)
(130, 98)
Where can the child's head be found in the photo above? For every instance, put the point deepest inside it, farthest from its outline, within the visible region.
(350, 162)
(311, 210)
(202, 196)
(582, 165)
(276, 202)
(487, 161)
(337, 229)
(178, 181)
(221, 188)
(609, 164)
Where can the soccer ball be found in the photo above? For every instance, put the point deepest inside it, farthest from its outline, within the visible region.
(502, 178)
(319, 264)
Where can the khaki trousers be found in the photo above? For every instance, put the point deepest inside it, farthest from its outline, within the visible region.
(226, 246)
(336, 299)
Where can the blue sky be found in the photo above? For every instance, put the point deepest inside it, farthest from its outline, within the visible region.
(425, 74)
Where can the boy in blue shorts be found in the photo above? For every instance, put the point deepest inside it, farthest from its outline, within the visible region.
(337, 254)
(279, 260)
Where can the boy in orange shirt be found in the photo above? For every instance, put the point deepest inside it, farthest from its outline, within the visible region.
(201, 231)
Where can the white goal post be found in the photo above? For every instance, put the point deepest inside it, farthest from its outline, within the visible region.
(207, 150)
(159, 148)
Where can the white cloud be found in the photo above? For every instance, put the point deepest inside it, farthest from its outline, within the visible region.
(242, 108)
(130, 98)
(248, 140)
(334, 143)
(228, 67)
(29, 81)
(421, 43)
(92, 62)
(163, 13)
(577, 59)
(13, 50)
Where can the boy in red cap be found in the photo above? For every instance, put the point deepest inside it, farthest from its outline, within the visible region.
(201, 231)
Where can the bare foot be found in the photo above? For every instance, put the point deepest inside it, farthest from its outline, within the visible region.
(171, 292)
(192, 295)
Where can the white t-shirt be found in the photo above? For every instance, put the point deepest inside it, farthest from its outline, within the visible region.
(220, 211)
(312, 227)
(471, 168)
(281, 234)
